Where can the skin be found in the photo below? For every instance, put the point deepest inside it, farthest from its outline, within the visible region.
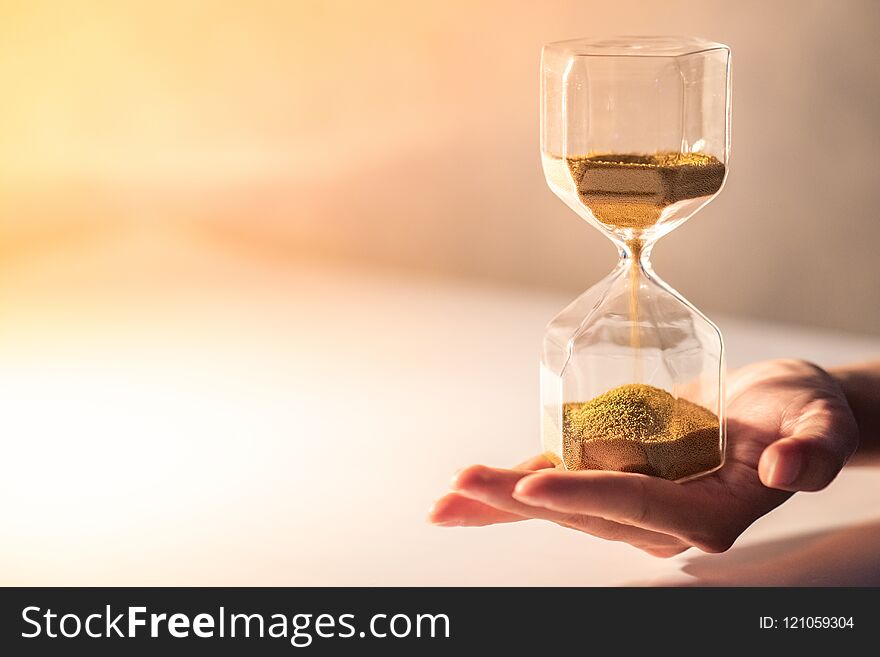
(791, 427)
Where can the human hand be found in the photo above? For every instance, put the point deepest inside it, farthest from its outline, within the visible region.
(789, 429)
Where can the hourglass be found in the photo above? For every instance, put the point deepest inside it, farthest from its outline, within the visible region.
(635, 139)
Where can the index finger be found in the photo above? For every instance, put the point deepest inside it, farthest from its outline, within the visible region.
(690, 512)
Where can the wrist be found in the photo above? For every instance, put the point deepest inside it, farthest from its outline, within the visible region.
(860, 384)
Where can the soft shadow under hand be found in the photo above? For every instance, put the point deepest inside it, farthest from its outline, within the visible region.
(846, 556)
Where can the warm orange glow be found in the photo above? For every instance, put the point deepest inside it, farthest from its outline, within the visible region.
(172, 171)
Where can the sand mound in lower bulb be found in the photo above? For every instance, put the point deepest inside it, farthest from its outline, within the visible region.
(640, 428)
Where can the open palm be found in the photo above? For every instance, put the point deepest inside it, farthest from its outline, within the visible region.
(789, 428)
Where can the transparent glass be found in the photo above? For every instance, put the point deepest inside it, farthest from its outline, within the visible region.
(635, 137)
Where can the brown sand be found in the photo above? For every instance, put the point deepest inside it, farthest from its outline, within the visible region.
(640, 428)
(631, 191)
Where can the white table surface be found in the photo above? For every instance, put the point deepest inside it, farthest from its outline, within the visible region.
(242, 424)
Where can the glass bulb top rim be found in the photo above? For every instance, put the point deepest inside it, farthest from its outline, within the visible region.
(636, 46)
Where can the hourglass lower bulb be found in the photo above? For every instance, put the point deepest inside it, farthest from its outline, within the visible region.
(634, 139)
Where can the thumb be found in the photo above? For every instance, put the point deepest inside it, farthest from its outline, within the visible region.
(817, 447)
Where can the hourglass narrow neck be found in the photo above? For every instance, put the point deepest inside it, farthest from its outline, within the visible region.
(635, 252)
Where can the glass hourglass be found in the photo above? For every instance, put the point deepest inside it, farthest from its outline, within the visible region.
(635, 139)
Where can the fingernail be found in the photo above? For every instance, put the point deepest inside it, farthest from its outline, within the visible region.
(785, 470)
(522, 493)
(467, 478)
(435, 510)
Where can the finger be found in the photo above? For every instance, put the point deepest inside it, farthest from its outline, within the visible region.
(454, 510)
(495, 487)
(687, 512)
(799, 464)
(539, 462)
(820, 442)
